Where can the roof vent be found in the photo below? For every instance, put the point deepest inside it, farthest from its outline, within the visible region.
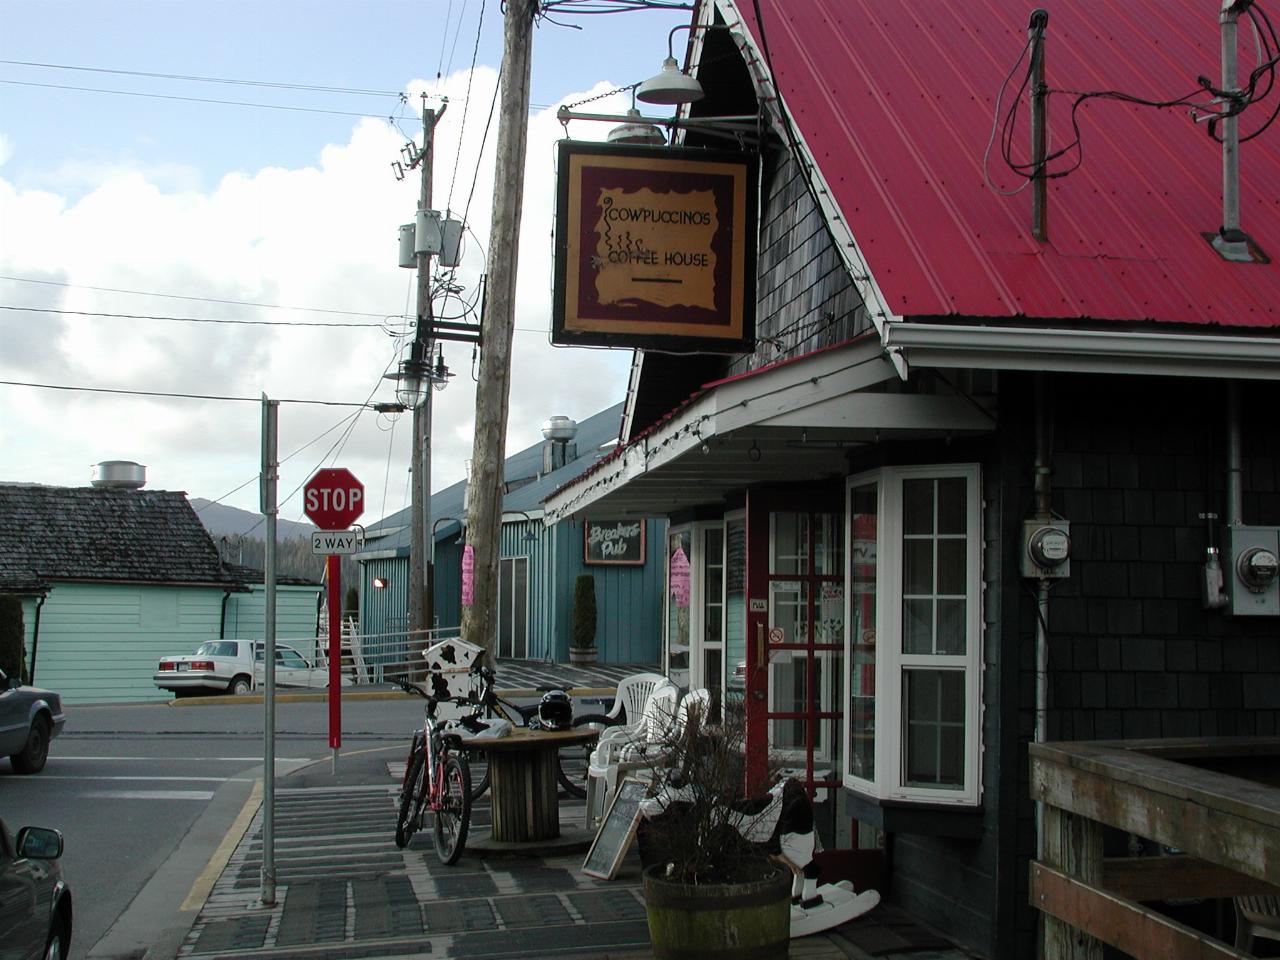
(120, 475)
(560, 428)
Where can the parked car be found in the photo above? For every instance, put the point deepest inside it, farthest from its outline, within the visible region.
(234, 666)
(35, 902)
(29, 718)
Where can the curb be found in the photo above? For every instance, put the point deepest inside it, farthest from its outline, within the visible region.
(225, 700)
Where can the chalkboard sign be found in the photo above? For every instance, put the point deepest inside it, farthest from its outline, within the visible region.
(616, 832)
(613, 541)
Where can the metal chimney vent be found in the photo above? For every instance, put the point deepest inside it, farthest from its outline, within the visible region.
(559, 428)
(120, 475)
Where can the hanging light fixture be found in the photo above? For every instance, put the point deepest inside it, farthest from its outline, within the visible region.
(636, 130)
(670, 86)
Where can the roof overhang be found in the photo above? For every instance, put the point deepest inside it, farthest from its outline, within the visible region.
(791, 422)
(1078, 350)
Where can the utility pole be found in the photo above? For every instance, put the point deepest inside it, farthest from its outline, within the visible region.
(484, 491)
(420, 354)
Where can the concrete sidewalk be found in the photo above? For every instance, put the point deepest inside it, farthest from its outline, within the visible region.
(345, 891)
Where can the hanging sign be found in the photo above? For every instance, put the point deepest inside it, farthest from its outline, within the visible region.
(655, 248)
(617, 542)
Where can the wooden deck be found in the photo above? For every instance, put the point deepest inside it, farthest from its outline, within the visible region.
(1215, 799)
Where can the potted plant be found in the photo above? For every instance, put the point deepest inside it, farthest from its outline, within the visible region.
(710, 891)
(582, 626)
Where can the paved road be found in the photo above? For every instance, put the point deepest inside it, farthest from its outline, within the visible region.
(126, 785)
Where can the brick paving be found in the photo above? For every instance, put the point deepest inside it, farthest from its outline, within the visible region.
(345, 891)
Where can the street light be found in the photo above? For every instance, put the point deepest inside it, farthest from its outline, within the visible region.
(415, 377)
(529, 535)
(636, 129)
(462, 530)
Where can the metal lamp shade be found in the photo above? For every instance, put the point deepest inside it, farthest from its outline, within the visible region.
(636, 131)
(670, 87)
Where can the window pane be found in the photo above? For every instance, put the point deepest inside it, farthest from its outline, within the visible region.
(933, 721)
(917, 567)
(952, 560)
(790, 544)
(788, 694)
(713, 674)
(735, 598)
(951, 627)
(520, 607)
(829, 545)
(951, 505)
(862, 631)
(917, 506)
(917, 626)
(679, 543)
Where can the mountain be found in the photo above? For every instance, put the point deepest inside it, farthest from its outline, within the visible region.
(223, 521)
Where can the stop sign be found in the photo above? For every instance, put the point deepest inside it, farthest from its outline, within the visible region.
(333, 498)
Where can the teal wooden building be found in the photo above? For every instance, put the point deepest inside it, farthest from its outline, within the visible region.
(538, 565)
(112, 579)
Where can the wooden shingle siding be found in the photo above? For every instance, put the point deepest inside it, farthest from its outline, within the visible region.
(805, 299)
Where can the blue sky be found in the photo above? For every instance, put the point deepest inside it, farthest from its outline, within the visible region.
(206, 211)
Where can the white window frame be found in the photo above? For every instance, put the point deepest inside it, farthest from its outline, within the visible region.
(698, 600)
(891, 661)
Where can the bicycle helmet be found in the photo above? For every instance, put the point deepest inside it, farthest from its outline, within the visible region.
(555, 712)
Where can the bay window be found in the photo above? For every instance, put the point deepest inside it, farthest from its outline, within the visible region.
(915, 645)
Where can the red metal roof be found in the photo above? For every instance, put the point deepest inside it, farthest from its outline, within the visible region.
(895, 101)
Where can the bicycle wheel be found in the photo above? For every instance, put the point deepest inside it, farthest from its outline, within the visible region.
(454, 814)
(412, 796)
(571, 766)
(478, 762)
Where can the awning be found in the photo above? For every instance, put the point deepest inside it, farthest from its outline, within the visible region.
(790, 422)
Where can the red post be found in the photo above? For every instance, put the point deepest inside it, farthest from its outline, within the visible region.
(757, 679)
(333, 573)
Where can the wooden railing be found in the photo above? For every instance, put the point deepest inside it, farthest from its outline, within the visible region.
(1217, 800)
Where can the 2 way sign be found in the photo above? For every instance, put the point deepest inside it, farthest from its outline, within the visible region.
(336, 542)
(333, 498)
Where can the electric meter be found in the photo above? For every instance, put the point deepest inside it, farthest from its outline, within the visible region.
(1046, 550)
(1257, 567)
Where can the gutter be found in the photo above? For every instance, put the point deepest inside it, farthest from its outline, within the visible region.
(1082, 351)
(222, 620)
(35, 639)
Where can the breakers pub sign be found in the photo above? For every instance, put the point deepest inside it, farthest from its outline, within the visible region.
(655, 248)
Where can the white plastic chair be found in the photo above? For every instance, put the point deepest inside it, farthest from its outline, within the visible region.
(656, 719)
(632, 697)
(620, 757)
(1256, 917)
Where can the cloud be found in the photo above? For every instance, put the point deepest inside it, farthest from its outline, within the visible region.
(323, 236)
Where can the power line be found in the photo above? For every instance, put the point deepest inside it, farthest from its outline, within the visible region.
(171, 396)
(466, 103)
(170, 96)
(179, 296)
(143, 316)
(312, 88)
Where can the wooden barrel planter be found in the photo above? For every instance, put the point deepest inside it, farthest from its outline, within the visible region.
(714, 921)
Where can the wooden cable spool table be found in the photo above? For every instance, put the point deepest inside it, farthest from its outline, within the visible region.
(522, 780)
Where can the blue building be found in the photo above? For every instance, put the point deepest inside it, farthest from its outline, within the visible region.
(538, 565)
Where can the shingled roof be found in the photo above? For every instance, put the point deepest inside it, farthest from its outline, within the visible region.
(102, 534)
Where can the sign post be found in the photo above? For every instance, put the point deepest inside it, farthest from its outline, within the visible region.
(333, 499)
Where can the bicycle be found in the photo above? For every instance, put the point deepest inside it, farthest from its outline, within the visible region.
(437, 777)
(571, 768)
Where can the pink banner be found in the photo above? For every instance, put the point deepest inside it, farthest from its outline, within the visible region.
(679, 578)
(468, 575)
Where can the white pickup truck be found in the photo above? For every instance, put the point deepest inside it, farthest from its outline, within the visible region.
(236, 666)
